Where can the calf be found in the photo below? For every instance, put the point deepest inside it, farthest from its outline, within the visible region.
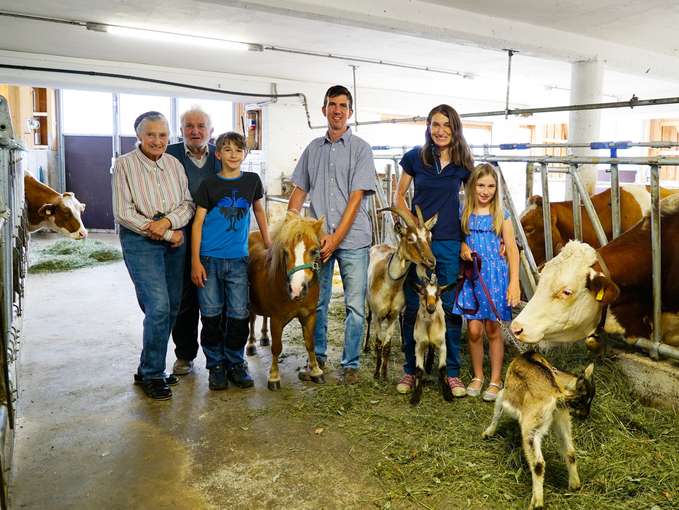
(430, 331)
(386, 274)
(54, 211)
(537, 395)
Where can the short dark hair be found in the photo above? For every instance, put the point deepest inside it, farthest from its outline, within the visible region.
(231, 137)
(338, 90)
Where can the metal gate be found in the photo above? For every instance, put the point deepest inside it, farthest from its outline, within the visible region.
(13, 263)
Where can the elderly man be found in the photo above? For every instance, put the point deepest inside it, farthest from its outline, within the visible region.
(199, 161)
(337, 172)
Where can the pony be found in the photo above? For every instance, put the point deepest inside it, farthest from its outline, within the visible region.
(284, 284)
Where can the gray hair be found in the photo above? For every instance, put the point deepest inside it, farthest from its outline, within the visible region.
(145, 117)
(195, 109)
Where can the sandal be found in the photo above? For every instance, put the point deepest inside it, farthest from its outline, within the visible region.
(491, 392)
(474, 387)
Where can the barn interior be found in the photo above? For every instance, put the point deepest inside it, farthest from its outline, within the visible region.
(75, 74)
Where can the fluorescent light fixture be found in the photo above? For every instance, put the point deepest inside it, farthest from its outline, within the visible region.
(174, 38)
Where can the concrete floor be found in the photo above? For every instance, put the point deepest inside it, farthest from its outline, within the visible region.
(87, 438)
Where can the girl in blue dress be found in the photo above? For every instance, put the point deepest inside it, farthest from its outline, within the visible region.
(486, 225)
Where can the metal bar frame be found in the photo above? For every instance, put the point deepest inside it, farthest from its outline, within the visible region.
(546, 213)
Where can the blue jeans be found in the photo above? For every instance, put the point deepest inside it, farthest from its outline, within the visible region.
(224, 303)
(156, 270)
(447, 255)
(353, 265)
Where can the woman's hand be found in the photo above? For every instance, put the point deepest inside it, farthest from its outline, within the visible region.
(513, 293)
(198, 274)
(465, 251)
(156, 229)
(177, 239)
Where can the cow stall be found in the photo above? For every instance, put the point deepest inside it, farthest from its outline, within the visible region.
(13, 264)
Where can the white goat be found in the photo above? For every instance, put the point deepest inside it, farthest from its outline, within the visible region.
(430, 331)
(537, 394)
(386, 274)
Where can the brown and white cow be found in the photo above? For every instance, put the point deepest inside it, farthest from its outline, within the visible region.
(574, 287)
(54, 211)
(635, 202)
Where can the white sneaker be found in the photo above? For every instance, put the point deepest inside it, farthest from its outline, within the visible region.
(182, 367)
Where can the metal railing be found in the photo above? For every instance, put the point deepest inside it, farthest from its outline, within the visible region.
(654, 345)
(13, 264)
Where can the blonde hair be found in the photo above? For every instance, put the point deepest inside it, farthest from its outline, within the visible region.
(496, 210)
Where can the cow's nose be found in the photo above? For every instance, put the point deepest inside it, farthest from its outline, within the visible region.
(517, 329)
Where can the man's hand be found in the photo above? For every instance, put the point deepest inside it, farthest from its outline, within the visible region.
(177, 239)
(198, 274)
(328, 246)
(156, 229)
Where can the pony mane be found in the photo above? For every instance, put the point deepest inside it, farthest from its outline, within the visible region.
(288, 231)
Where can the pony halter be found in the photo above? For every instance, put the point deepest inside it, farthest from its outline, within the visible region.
(314, 266)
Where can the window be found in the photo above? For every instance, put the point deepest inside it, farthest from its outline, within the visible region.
(132, 105)
(87, 112)
(220, 112)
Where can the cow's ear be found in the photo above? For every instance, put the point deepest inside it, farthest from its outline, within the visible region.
(67, 194)
(429, 224)
(534, 200)
(604, 289)
(47, 210)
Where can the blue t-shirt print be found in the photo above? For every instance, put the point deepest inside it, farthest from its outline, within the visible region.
(234, 209)
(227, 222)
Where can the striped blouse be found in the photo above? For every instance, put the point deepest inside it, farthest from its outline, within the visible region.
(144, 189)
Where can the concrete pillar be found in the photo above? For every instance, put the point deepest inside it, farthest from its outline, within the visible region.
(583, 126)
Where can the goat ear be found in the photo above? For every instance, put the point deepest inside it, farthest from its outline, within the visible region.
(589, 371)
(47, 210)
(604, 289)
(429, 224)
(399, 228)
(448, 287)
(419, 288)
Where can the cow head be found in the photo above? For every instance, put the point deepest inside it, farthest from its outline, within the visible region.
(567, 303)
(534, 228)
(63, 216)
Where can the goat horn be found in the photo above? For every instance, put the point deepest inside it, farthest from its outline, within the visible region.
(402, 213)
(419, 215)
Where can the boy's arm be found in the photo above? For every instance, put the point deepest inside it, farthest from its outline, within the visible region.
(330, 242)
(260, 216)
(198, 274)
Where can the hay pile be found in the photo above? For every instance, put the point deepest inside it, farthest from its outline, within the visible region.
(432, 456)
(68, 254)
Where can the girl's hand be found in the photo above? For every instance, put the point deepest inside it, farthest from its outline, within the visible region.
(465, 252)
(513, 293)
(198, 274)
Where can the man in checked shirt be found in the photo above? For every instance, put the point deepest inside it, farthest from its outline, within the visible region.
(337, 173)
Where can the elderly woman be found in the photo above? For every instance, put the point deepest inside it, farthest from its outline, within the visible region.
(151, 203)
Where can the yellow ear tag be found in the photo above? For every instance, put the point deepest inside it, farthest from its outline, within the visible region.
(600, 295)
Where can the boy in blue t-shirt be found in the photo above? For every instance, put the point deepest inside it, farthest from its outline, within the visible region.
(219, 261)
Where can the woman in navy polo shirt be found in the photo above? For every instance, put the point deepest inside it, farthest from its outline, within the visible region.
(438, 169)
